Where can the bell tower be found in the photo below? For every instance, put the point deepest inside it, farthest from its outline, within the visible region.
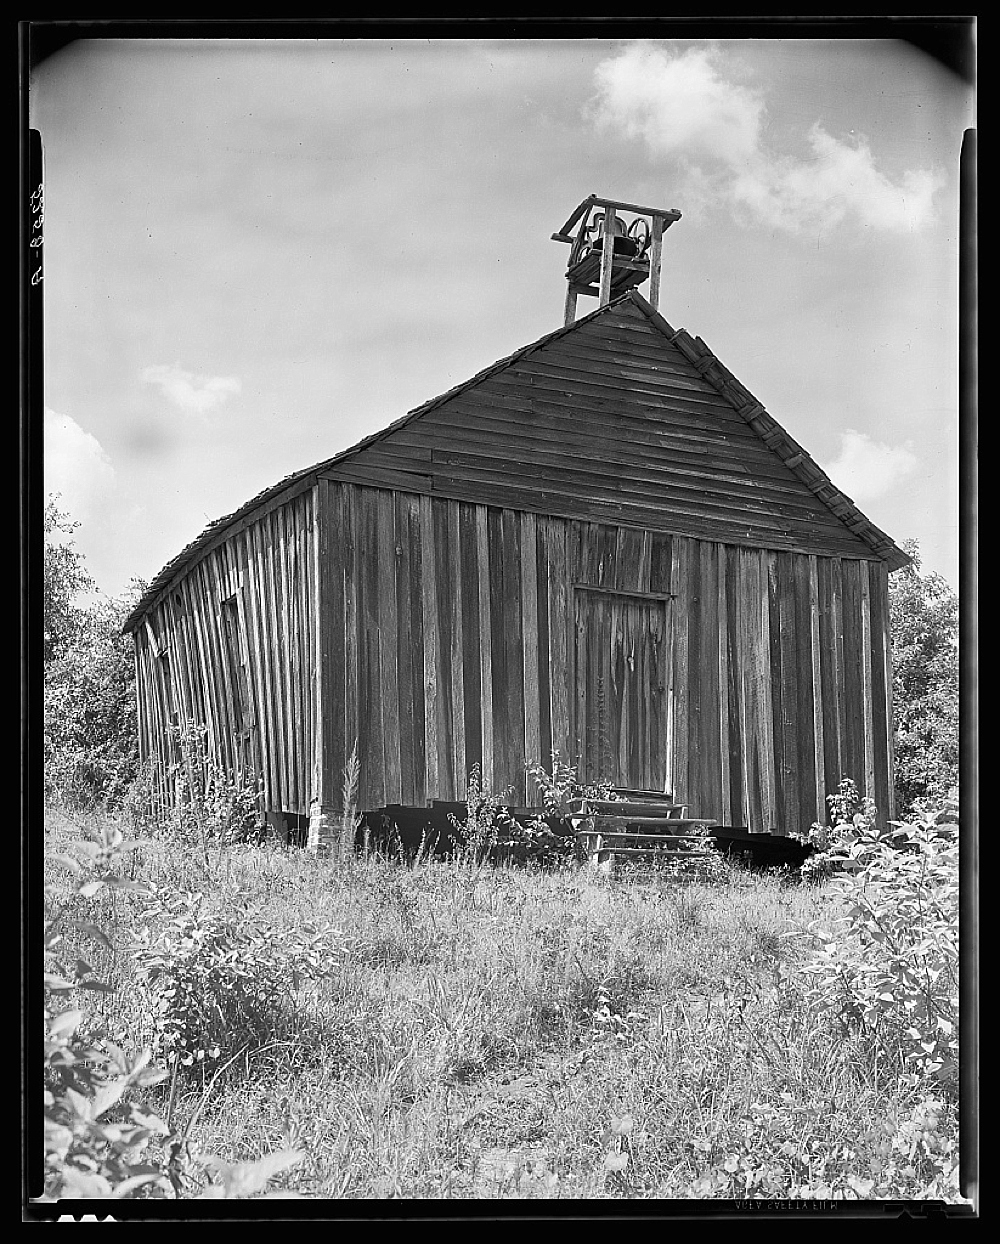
(609, 254)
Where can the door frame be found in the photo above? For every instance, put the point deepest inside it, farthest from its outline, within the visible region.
(665, 599)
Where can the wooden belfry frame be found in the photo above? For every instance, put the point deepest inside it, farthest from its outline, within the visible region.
(617, 273)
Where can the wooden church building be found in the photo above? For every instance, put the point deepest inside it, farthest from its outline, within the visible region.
(602, 545)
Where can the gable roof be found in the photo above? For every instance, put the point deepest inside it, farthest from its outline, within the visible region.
(701, 455)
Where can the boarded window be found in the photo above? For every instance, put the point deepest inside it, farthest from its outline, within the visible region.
(236, 673)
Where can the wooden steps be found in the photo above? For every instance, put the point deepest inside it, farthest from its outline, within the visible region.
(639, 825)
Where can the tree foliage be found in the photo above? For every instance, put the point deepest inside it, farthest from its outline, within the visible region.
(923, 612)
(64, 578)
(90, 747)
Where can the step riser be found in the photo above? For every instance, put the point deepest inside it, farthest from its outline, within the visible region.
(602, 807)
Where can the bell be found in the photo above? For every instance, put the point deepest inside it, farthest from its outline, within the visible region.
(623, 244)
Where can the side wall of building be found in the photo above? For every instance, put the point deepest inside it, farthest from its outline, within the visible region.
(452, 634)
(229, 650)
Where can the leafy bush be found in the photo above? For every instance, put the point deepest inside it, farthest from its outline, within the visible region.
(64, 578)
(90, 747)
(489, 831)
(209, 803)
(87, 1153)
(562, 785)
(853, 817)
(99, 1140)
(224, 982)
(487, 823)
(889, 973)
(923, 612)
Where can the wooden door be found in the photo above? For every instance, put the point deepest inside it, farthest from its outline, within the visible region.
(622, 688)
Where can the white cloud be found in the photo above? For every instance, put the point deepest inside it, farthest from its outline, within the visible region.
(689, 106)
(198, 394)
(75, 466)
(867, 469)
(677, 104)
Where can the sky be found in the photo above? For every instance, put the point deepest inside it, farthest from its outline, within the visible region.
(259, 251)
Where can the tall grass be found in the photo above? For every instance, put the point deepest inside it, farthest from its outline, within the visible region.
(489, 1032)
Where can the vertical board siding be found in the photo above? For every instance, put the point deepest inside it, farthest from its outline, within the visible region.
(473, 706)
(485, 643)
(881, 669)
(404, 645)
(530, 630)
(680, 589)
(437, 634)
(710, 781)
(428, 581)
(725, 759)
(456, 654)
(388, 689)
(560, 631)
(800, 813)
(346, 564)
(251, 690)
(814, 799)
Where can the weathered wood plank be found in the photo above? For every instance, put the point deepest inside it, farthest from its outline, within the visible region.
(432, 686)
(485, 578)
(372, 476)
(711, 689)
(449, 782)
(680, 586)
(388, 631)
(307, 636)
(724, 622)
(542, 670)
(415, 594)
(530, 631)
(256, 598)
(271, 647)
(817, 806)
(764, 560)
(285, 595)
(404, 647)
(830, 654)
(881, 718)
(372, 706)
(502, 712)
(582, 727)
(561, 628)
(552, 493)
(805, 712)
(543, 501)
(349, 535)
(744, 662)
(291, 541)
(471, 663)
(280, 622)
(328, 593)
(456, 662)
(691, 424)
(649, 488)
(219, 725)
(853, 688)
(784, 674)
(695, 789)
(867, 698)
(513, 631)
